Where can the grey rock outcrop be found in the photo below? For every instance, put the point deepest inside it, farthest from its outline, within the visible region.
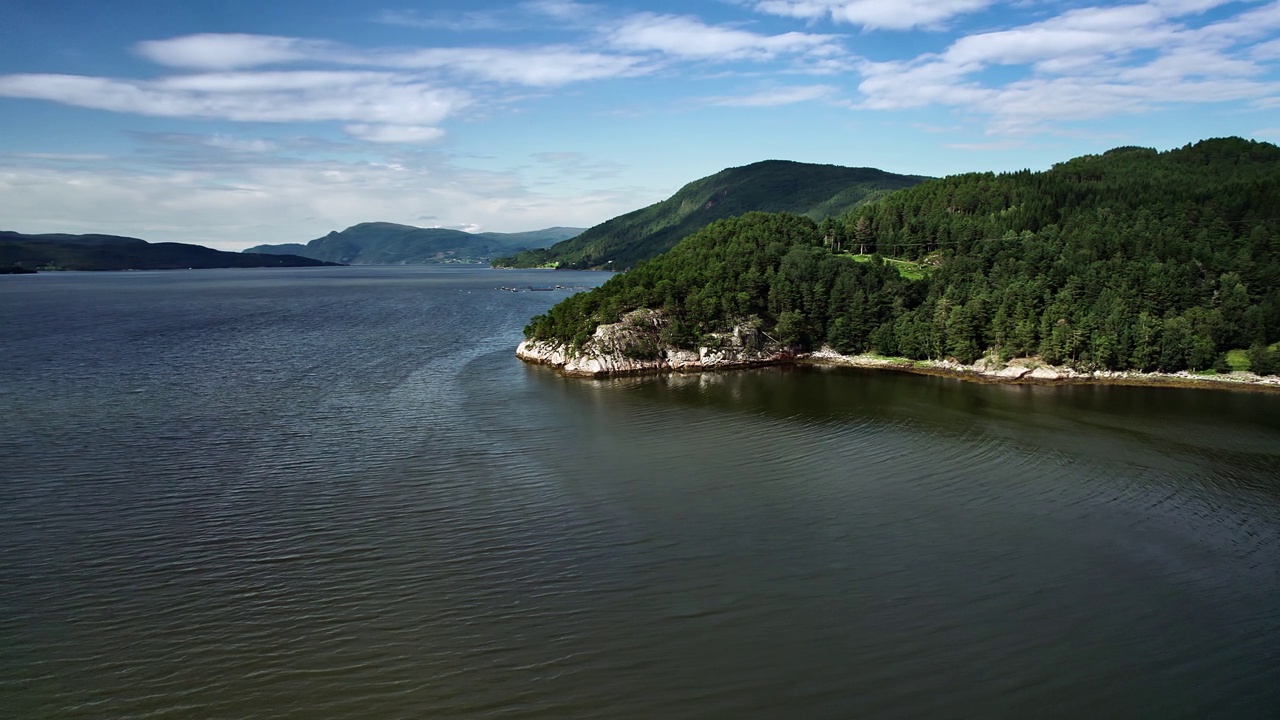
(634, 345)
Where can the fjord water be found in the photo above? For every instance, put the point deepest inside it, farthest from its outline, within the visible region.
(336, 493)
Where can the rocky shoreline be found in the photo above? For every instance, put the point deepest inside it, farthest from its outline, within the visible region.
(1032, 371)
(633, 346)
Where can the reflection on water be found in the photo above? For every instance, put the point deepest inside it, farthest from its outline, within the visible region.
(336, 493)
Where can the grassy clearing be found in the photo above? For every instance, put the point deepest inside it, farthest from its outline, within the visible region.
(905, 268)
(1239, 359)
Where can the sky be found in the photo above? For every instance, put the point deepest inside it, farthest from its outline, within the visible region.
(238, 122)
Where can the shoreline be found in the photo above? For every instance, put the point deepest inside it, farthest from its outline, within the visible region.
(1019, 371)
(1030, 371)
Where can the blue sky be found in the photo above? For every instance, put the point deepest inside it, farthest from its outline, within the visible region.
(235, 123)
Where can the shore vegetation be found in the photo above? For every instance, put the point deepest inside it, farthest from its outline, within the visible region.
(1129, 260)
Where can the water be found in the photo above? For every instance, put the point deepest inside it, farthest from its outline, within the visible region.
(336, 493)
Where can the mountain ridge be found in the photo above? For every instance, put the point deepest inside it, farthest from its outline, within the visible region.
(814, 190)
(385, 243)
(95, 251)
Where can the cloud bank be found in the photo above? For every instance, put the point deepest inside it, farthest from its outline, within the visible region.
(316, 132)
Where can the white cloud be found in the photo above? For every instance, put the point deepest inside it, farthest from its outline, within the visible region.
(517, 16)
(1250, 24)
(1083, 64)
(876, 14)
(535, 66)
(457, 22)
(237, 145)
(1176, 8)
(1190, 62)
(372, 97)
(396, 95)
(541, 67)
(394, 133)
(1088, 32)
(690, 38)
(778, 96)
(898, 85)
(563, 10)
(1266, 51)
(1031, 105)
(212, 51)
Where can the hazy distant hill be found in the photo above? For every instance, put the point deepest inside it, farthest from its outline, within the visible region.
(379, 243)
(113, 252)
(817, 191)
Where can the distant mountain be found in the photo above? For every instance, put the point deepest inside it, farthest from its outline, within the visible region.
(534, 238)
(816, 191)
(379, 243)
(113, 252)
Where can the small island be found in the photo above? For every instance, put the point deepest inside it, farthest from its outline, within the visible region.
(1130, 267)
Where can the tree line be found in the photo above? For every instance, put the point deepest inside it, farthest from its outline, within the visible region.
(1132, 259)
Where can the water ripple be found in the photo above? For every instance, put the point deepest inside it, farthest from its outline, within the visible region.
(328, 495)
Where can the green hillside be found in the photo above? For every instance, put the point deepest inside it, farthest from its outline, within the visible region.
(1133, 259)
(816, 191)
(380, 243)
(112, 252)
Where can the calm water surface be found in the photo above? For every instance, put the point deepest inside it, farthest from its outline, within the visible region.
(336, 493)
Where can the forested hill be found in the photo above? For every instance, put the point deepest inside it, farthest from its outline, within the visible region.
(381, 243)
(817, 191)
(1132, 259)
(115, 252)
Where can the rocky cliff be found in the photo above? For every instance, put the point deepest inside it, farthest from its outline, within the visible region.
(635, 345)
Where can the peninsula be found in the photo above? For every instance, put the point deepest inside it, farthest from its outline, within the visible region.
(1130, 266)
